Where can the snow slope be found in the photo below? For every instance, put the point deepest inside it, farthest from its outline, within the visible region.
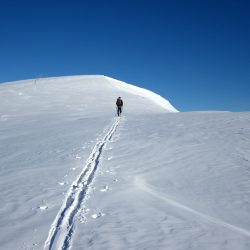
(75, 176)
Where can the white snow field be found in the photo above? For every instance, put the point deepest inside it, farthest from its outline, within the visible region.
(74, 176)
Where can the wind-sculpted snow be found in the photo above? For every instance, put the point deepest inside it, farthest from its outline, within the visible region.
(62, 229)
(145, 187)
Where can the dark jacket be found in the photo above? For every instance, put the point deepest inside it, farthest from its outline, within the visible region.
(119, 103)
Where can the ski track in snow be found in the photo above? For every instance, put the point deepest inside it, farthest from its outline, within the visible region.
(148, 189)
(62, 229)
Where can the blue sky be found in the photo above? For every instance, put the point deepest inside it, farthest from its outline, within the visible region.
(194, 53)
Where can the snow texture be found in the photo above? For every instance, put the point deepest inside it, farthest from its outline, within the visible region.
(74, 176)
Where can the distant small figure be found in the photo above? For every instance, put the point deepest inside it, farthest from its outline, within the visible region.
(119, 104)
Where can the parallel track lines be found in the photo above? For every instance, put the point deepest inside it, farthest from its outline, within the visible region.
(62, 229)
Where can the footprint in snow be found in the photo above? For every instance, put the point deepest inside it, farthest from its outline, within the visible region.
(85, 210)
(109, 171)
(82, 219)
(43, 207)
(105, 189)
(96, 216)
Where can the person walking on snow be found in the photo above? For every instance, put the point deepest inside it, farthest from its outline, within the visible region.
(119, 104)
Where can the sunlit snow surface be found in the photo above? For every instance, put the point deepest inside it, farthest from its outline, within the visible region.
(160, 180)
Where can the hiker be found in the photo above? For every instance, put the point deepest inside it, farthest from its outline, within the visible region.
(119, 104)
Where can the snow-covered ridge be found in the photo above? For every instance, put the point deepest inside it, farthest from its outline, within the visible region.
(52, 79)
(99, 81)
(143, 92)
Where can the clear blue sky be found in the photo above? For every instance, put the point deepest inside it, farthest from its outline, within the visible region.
(194, 53)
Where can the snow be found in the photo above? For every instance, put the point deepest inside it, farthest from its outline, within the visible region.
(73, 175)
(143, 93)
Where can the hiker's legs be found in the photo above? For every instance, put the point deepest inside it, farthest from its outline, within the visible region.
(119, 111)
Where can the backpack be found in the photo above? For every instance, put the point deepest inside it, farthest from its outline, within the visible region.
(119, 102)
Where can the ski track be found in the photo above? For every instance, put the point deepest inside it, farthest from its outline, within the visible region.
(148, 189)
(62, 229)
